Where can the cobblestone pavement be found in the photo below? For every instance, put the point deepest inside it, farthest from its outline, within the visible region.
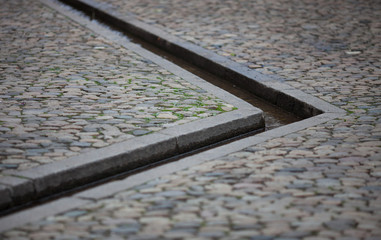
(65, 90)
(319, 183)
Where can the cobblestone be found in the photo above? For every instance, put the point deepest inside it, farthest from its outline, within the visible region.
(319, 183)
(63, 87)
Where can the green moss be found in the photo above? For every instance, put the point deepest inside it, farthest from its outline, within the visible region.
(188, 95)
(179, 116)
(198, 104)
(54, 69)
(349, 111)
(219, 108)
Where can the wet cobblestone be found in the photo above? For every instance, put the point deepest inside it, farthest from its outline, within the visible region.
(65, 90)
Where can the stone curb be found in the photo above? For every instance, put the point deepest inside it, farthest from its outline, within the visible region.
(19, 187)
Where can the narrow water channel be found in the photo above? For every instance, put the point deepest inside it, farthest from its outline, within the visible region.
(274, 116)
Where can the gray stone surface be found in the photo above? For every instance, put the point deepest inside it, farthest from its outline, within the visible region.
(111, 95)
(59, 100)
(319, 181)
